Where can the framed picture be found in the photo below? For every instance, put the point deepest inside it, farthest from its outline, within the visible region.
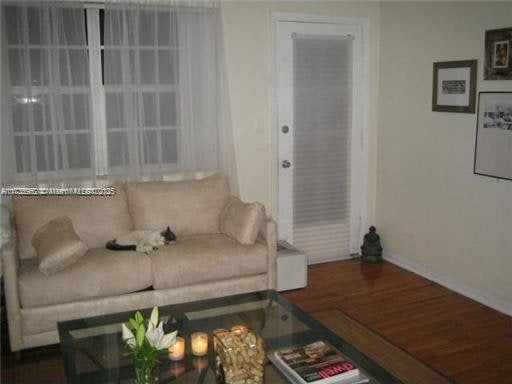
(454, 87)
(498, 54)
(493, 145)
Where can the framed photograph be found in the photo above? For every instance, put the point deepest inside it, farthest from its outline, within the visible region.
(493, 145)
(454, 87)
(498, 54)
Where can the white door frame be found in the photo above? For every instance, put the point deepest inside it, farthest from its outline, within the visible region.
(359, 193)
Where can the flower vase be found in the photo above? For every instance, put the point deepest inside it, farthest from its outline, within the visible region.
(144, 371)
(146, 341)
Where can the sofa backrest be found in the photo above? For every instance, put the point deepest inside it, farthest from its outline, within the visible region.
(96, 219)
(189, 207)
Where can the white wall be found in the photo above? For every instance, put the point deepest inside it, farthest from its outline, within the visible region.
(248, 40)
(435, 216)
(433, 213)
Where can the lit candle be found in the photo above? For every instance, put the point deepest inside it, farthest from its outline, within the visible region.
(177, 350)
(199, 341)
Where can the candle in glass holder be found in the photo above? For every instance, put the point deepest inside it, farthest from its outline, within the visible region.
(199, 341)
(177, 350)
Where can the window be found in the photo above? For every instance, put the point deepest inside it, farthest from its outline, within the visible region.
(50, 89)
(125, 90)
(148, 95)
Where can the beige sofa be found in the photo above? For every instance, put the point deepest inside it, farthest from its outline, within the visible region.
(202, 263)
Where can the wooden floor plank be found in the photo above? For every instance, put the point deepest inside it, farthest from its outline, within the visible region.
(401, 364)
(465, 340)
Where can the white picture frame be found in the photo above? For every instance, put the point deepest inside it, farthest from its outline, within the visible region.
(493, 144)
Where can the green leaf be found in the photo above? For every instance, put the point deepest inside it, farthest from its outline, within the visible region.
(138, 317)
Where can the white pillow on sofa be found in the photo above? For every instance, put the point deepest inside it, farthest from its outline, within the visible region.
(242, 221)
(57, 245)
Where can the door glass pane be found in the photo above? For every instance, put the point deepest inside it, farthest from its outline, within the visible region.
(322, 87)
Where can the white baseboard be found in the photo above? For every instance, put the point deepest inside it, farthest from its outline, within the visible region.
(482, 297)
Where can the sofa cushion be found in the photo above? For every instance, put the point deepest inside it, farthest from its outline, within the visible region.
(96, 219)
(99, 273)
(241, 221)
(189, 207)
(207, 258)
(57, 245)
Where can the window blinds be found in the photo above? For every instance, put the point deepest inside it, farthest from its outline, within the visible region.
(322, 82)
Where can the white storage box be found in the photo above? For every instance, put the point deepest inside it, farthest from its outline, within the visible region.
(292, 267)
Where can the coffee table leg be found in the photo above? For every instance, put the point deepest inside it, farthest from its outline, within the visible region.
(68, 355)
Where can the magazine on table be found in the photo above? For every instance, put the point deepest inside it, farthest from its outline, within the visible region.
(316, 363)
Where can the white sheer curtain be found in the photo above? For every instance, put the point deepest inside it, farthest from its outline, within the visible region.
(46, 117)
(166, 104)
(164, 90)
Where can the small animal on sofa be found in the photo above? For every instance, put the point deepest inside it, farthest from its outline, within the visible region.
(142, 241)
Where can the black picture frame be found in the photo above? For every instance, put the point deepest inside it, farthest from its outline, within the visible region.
(454, 86)
(498, 54)
(493, 142)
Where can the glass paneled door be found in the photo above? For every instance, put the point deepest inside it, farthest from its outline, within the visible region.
(320, 152)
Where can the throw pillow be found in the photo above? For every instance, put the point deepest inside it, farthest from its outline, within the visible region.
(242, 221)
(57, 245)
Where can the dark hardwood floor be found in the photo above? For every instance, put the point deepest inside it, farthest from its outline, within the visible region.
(466, 341)
(462, 339)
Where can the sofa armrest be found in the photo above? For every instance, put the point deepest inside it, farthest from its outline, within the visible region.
(10, 275)
(268, 235)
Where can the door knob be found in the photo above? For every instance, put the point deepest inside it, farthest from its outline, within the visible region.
(286, 164)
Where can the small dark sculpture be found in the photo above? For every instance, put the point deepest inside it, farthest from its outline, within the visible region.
(371, 251)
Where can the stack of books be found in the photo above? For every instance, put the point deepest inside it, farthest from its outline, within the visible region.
(316, 363)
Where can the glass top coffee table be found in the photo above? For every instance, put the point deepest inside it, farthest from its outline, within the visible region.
(92, 347)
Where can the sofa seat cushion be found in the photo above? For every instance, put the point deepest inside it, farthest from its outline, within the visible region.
(99, 273)
(207, 258)
(189, 207)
